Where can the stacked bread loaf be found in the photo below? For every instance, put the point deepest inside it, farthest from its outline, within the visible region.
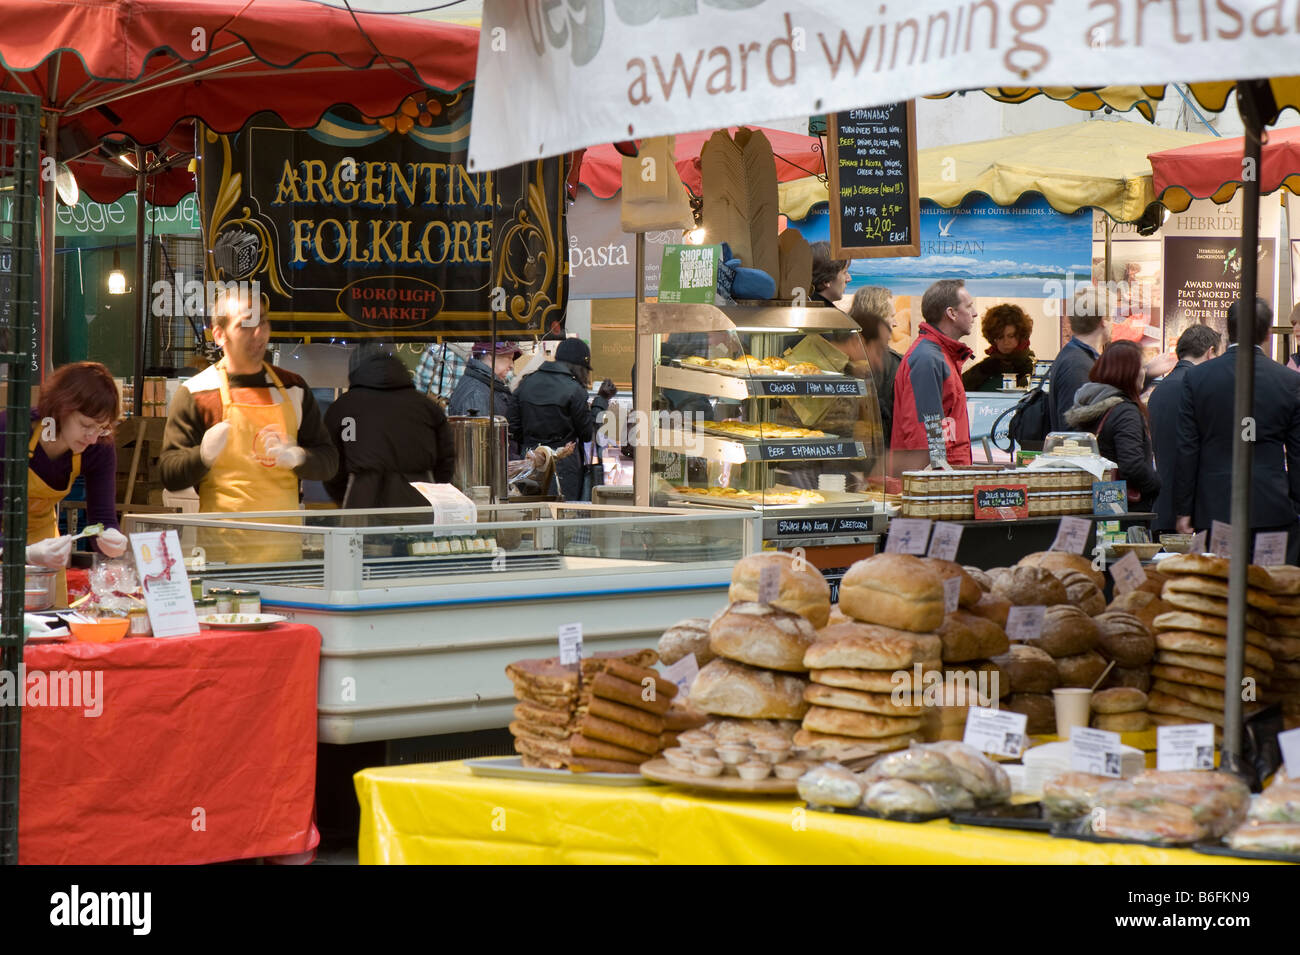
(1188, 678)
(970, 640)
(891, 607)
(607, 714)
(1284, 643)
(758, 672)
(1120, 709)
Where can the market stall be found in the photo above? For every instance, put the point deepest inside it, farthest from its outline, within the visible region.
(170, 751)
(440, 813)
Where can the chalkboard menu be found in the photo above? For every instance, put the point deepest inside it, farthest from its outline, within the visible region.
(1001, 501)
(875, 201)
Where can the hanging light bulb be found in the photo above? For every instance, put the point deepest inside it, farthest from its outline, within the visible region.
(117, 278)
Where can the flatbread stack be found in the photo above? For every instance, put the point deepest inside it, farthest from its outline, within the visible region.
(867, 671)
(1188, 672)
(1284, 644)
(609, 714)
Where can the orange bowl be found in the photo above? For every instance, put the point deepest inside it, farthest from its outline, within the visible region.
(100, 631)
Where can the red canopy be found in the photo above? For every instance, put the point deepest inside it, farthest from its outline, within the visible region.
(797, 157)
(1213, 170)
(139, 68)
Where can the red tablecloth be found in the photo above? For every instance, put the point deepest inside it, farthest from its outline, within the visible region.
(204, 749)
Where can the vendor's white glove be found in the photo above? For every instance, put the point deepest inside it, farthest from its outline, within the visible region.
(214, 442)
(290, 456)
(52, 552)
(112, 543)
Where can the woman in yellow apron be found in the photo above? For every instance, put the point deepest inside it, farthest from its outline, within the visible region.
(71, 436)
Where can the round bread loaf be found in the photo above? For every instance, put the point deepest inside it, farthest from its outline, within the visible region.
(1193, 641)
(1139, 678)
(993, 573)
(686, 636)
(1067, 631)
(1120, 699)
(893, 590)
(883, 704)
(970, 591)
(1131, 602)
(1122, 637)
(1059, 562)
(1030, 586)
(1122, 722)
(1028, 669)
(1082, 592)
(867, 646)
(762, 636)
(973, 683)
(726, 688)
(992, 608)
(1206, 565)
(1082, 669)
(825, 719)
(1038, 708)
(980, 577)
(801, 587)
(875, 681)
(966, 636)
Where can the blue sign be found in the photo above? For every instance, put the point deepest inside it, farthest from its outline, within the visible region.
(1110, 497)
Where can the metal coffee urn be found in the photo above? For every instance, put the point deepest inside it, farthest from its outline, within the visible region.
(482, 449)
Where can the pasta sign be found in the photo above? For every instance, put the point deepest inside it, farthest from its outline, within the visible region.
(376, 229)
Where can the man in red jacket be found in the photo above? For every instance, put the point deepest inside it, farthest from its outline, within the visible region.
(930, 421)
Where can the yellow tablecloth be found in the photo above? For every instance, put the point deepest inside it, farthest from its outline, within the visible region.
(441, 813)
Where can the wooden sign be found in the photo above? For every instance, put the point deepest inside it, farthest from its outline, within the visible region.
(875, 203)
(1001, 502)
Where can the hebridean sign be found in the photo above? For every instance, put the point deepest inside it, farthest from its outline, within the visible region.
(375, 229)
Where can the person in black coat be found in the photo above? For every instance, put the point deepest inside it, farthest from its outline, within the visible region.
(1208, 428)
(1197, 344)
(387, 435)
(551, 409)
(1110, 406)
(1089, 332)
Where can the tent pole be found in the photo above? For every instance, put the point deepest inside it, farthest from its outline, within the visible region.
(141, 284)
(48, 240)
(1253, 119)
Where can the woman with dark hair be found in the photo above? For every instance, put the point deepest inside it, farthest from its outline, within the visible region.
(1006, 328)
(71, 435)
(1109, 405)
(829, 276)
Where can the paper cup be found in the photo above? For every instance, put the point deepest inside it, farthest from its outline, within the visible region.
(1072, 708)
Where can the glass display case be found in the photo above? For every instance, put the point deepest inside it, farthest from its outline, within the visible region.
(419, 620)
(768, 408)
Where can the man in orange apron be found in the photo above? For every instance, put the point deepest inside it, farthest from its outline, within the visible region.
(244, 432)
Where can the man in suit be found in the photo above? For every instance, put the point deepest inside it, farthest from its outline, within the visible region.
(1196, 345)
(1207, 428)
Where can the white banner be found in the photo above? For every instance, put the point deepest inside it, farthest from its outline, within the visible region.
(557, 75)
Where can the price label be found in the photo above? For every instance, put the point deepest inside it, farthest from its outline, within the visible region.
(769, 583)
(1127, 573)
(1025, 623)
(1270, 548)
(1095, 751)
(1221, 539)
(945, 540)
(951, 594)
(1185, 747)
(570, 643)
(1072, 535)
(1197, 545)
(683, 673)
(1289, 742)
(907, 535)
(1000, 732)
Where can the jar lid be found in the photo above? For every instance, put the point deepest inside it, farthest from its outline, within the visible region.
(244, 593)
(220, 591)
(137, 612)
